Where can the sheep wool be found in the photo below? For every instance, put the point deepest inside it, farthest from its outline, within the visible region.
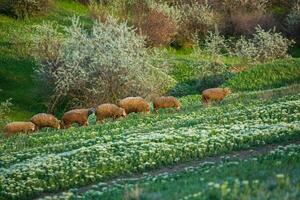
(215, 94)
(166, 102)
(135, 104)
(42, 120)
(107, 110)
(79, 116)
(19, 127)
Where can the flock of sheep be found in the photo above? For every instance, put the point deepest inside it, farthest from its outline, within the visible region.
(103, 111)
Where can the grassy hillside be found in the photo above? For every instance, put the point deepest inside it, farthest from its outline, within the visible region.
(17, 67)
(81, 156)
(88, 162)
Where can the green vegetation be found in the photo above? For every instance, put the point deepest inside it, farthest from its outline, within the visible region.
(263, 109)
(17, 67)
(80, 156)
(266, 76)
(272, 176)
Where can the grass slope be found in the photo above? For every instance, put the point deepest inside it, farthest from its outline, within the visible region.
(52, 161)
(17, 68)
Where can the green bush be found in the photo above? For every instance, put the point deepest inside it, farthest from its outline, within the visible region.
(293, 22)
(265, 45)
(88, 68)
(267, 76)
(24, 8)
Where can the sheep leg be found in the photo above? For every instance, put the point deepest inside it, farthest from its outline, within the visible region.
(66, 126)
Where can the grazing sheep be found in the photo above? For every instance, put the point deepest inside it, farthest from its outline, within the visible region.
(79, 116)
(166, 102)
(109, 111)
(134, 104)
(19, 127)
(42, 120)
(215, 94)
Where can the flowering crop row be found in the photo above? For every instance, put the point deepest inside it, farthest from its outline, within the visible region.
(285, 111)
(274, 175)
(75, 158)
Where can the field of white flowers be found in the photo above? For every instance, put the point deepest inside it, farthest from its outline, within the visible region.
(273, 174)
(53, 161)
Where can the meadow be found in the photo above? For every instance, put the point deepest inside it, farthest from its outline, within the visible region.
(59, 160)
(243, 147)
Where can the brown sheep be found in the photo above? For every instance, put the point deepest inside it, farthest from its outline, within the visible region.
(19, 127)
(79, 116)
(42, 120)
(134, 104)
(109, 111)
(166, 102)
(215, 94)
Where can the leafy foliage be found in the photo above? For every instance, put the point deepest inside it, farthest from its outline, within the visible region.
(293, 21)
(104, 65)
(24, 8)
(196, 20)
(257, 176)
(66, 159)
(265, 45)
(265, 76)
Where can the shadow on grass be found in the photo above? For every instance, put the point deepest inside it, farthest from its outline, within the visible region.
(196, 86)
(17, 82)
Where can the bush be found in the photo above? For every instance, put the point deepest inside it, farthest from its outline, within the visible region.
(197, 19)
(4, 111)
(24, 8)
(265, 45)
(232, 6)
(103, 65)
(245, 23)
(215, 43)
(242, 16)
(158, 22)
(267, 76)
(293, 22)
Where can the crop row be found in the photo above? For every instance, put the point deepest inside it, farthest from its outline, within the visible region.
(132, 154)
(274, 175)
(286, 111)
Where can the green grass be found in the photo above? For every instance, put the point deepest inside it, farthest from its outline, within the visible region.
(267, 76)
(55, 160)
(275, 175)
(17, 67)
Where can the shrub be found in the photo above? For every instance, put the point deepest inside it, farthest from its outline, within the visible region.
(197, 19)
(293, 22)
(242, 16)
(265, 45)
(244, 23)
(232, 6)
(103, 65)
(158, 22)
(24, 8)
(215, 43)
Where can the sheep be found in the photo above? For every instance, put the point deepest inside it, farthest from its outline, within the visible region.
(42, 120)
(215, 94)
(79, 116)
(109, 111)
(19, 127)
(134, 104)
(166, 102)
